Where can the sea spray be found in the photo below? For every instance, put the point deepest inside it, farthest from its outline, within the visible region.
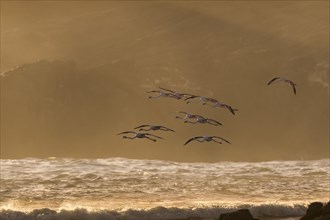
(122, 188)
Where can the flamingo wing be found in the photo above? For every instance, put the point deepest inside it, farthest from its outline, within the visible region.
(192, 139)
(141, 126)
(272, 80)
(168, 129)
(230, 109)
(293, 87)
(211, 100)
(191, 97)
(152, 135)
(127, 132)
(215, 121)
(222, 139)
(167, 90)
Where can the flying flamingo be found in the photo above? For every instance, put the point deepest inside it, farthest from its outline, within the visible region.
(202, 120)
(162, 94)
(281, 79)
(140, 135)
(228, 107)
(207, 139)
(202, 99)
(177, 94)
(153, 128)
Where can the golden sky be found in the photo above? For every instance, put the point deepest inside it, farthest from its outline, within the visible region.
(75, 73)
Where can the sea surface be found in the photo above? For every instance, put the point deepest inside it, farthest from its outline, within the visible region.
(120, 188)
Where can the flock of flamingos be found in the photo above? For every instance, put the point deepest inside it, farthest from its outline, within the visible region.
(141, 131)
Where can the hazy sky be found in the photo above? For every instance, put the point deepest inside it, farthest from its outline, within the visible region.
(225, 50)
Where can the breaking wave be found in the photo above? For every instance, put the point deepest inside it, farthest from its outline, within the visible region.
(157, 213)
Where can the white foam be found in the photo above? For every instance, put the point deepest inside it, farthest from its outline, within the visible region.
(156, 213)
(276, 188)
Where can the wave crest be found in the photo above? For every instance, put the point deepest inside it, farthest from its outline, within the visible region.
(157, 213)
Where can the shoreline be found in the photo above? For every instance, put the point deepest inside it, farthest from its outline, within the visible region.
(315, 210)
(78, 214)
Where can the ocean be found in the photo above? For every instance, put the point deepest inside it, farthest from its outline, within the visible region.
(120, 188)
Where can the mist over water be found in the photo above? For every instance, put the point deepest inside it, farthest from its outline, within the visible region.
(85, 71)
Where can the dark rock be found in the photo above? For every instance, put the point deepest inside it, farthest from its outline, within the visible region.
(323, 217)
(242, 214)
(314, 210)
(326, 209)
